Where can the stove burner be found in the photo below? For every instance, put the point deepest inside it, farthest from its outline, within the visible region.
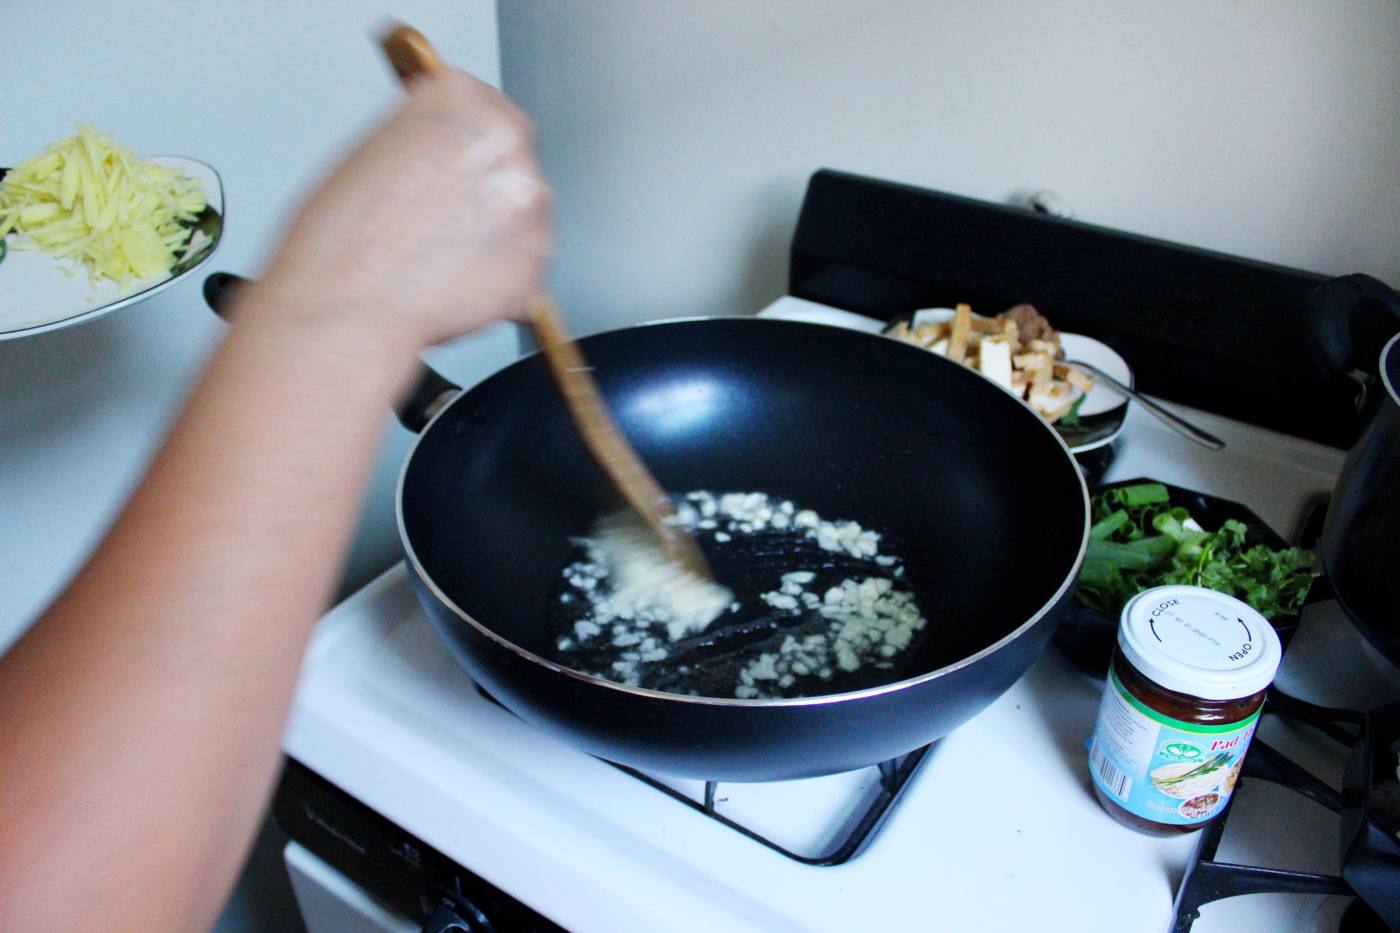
(858, 832)
(1207, 880)
(894, 777)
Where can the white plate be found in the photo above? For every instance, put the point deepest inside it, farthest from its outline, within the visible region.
(1105, 409)
(1101, 397)
(37, 296)
(1102, 414)
(789, 308)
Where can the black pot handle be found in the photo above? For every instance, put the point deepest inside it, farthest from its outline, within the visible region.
(430, 392)
(1350, 320)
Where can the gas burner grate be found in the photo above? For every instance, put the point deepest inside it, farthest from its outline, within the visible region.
(895, 775)
(1207, 880)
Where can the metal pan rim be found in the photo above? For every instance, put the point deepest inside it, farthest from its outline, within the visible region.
(1386, 351)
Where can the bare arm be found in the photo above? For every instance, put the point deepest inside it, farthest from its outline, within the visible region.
(140, 716)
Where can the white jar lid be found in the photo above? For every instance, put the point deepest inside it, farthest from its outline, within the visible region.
(1199, 642)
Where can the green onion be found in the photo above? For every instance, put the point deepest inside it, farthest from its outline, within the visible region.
(1115, 520)
(1143, 494)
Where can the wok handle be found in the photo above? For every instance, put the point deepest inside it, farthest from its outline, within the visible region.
(219, 288)
(431, 390)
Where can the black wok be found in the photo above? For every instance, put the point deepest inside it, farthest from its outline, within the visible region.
(986, 500)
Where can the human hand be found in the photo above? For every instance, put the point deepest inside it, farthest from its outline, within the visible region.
(435, 225)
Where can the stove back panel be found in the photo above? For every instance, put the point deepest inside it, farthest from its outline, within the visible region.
(1209, 330)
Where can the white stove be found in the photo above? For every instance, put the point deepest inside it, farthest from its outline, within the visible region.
(998, 830)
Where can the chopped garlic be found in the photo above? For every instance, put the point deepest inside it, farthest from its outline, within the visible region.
(866, 621)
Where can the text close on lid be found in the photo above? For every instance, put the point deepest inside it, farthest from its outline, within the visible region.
(1199, 642)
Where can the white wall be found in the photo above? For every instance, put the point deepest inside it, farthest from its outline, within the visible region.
(268, 93)
(679, 135)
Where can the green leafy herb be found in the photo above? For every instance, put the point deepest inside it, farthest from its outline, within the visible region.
(1070, 419)
(1138, 540)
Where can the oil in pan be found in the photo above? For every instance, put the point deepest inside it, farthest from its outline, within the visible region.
(820, 607)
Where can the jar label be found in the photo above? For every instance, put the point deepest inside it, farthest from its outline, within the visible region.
(1163, 769)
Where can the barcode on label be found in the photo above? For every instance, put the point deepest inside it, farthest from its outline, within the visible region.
(1114, 780)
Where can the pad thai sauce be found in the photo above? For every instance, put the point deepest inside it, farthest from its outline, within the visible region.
(1184, 708)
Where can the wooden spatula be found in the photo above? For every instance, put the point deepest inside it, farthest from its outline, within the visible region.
(410, 53)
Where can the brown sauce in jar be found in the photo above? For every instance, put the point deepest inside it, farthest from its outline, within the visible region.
(1181, 707)
(1183, 698)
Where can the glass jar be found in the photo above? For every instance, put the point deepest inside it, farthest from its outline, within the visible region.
(1184, 694)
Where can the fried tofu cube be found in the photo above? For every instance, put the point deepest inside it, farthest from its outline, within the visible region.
(1052, 402)
(995, 361)
(1038, 367)
(926, 335)
(1074, 377)
(1012, 333)
(957, 340)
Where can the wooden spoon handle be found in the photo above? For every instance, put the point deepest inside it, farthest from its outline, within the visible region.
(411, 54)
(601, 433)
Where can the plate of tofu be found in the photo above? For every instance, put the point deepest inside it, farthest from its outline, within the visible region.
(1020, 351)
(1023, 353)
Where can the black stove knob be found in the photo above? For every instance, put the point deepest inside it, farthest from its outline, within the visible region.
(459, 916)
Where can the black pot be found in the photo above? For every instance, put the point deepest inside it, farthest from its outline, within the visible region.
(1355, 320)
(1361, 538)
